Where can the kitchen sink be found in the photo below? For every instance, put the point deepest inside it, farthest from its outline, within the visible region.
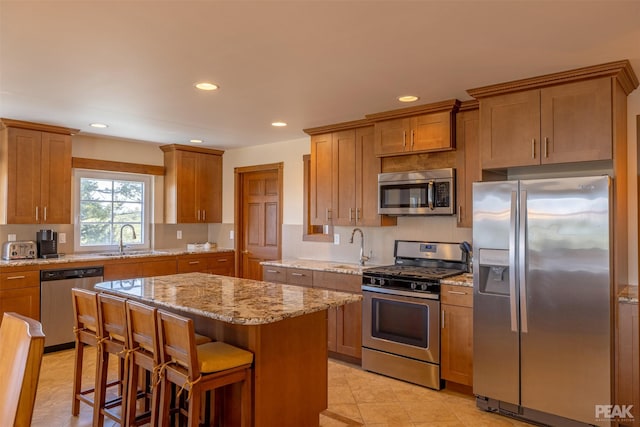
(132, 253)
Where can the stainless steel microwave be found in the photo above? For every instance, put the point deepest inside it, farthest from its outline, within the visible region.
(429, 192)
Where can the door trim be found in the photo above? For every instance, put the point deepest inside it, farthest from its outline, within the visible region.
(238, 173)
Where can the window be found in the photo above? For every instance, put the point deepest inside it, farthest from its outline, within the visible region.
(105, 202)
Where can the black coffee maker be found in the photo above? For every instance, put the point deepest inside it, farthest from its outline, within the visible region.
(47, 244)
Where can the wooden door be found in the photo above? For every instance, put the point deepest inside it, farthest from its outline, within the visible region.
(259, 194)
(209, 188)
(55, 184)
(24, 167)
(186, 191)
(391, 136)
(431, 132)
(321, 179)
(576, 122)
(468, 164)
(343, 206)
(510, 130)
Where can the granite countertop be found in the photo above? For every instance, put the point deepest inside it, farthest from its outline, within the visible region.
(309, 264)
(80, 257)
(229, 299)
(629, 294)
(465, 279)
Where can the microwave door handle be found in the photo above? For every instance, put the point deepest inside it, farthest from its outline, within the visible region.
(430, 195)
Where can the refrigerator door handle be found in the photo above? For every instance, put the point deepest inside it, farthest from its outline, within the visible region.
(522, 251)
(512, 263)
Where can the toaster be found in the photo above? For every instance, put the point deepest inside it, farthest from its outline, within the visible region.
(24, 249)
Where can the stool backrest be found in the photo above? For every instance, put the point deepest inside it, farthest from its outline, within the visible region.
(177, 342)
(85, 308)
(142, 328)
(112, 315)
(22, 345)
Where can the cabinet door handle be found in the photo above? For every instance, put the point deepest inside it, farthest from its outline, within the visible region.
(328, 214)
(194, 262)
(16, 277)
(459, 214)
(44, 214)
(404, 139)
(457, 292)
(350, 214)
(297, 274)
(533, 148)
(223, 260)
(273, 271)
(198, 214)
(442, 314)
(36, 214)
(357, 214)
(546, 147)
(204, 215)
(412, 138)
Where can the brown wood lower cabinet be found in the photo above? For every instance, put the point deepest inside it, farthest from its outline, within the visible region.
(20, 293)
(344, 323)
(627, 368)
(222, 263)
(456, 338)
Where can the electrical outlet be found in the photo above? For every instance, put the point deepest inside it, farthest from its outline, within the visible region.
(231, 236)
(336, 239)
(62, 237)
(179, 234)
(11, 237)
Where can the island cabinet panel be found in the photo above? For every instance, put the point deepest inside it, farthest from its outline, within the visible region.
(628, 354)
(558, 124)
(468, 168)
(36, 167)
(193, 184)
(457, 334)
(20, 293)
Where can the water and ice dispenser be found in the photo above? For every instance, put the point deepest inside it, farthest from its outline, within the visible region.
(494, 271)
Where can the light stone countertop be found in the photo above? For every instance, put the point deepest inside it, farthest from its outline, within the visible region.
(629, 294)
(81, 257)
(465, 279)
(228, 299)
(309, 264)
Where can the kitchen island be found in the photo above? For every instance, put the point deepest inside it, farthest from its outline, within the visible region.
(285, 326)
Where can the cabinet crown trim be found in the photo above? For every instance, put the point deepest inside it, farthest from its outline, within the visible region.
(448, 105)
(338, 127)
(472, 104)
(10, 123)
(179, 147)
(621, 70)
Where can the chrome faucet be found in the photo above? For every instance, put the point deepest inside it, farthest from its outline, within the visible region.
(132, 230)
(363, 257)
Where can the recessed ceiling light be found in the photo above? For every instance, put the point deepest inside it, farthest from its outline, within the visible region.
(408, 98)
(196, 141)
(98, 125)
(206, 86)
(278, 124)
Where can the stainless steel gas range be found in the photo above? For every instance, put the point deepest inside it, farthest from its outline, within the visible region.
(401, 311)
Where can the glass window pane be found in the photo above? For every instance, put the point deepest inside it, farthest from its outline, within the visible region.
(95, 234)
(127, 212)
(128, 191)
(95, 211)
(96, 189)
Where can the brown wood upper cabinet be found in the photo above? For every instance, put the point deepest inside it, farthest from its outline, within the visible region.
(35, 167)
(467, 160)
(415, 129)
(193, 184)
(558, 118)
(344, 176)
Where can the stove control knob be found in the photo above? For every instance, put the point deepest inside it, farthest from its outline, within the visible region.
(382, 281)
(372, 280)
(423, 286)
(414, 285)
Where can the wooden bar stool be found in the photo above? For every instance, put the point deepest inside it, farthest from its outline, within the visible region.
(143, 334)
(197, 369)
(85, 308)
(113, 340)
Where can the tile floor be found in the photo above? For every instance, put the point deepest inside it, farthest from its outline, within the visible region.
(356, 398)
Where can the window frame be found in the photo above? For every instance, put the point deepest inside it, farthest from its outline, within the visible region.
(147, 208)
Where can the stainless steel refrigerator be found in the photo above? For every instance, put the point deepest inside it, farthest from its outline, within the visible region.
(542, 298)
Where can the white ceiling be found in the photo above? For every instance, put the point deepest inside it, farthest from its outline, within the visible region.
(132, 64)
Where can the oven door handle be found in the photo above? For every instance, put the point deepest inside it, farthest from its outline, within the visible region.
(430, 195)
(417, 295)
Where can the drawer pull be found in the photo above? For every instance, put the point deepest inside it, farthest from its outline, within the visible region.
(194, 262)
(297, 274)
(223, 260)
(16, 277)
(273, 271)
(457, 292)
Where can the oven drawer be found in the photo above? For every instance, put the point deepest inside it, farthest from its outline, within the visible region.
(456, 295)
(299, 276)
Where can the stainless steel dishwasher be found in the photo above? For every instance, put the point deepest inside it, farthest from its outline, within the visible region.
(56, 307)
